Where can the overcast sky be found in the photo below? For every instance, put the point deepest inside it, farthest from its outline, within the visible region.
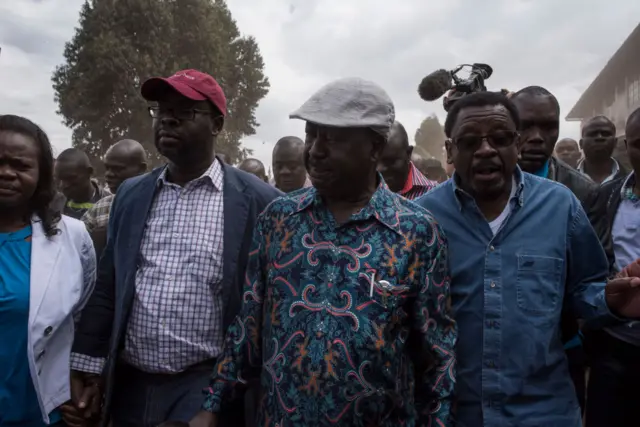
(561, 45)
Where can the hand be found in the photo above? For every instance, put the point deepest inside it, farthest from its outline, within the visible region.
(72, 415)
(623, 293)
(204, 419)
(86, 394)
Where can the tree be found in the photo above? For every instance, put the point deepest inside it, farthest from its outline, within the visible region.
(430, 138)
(121, 43)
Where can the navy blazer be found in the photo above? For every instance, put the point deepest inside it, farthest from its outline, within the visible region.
(104, 320)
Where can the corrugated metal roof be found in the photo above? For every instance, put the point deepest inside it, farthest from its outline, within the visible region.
(612, 72)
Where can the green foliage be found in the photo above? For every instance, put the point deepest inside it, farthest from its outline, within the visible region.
(430, 139)
(121, 43)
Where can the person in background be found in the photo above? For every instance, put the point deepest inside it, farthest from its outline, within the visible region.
(620, 154)
(287, 162)
(346, 293)
(434, 171)
(597, 143)
(123, 160)
(613, 392)
(397, 169)
(172, 270)
(47, 273)
(223, 158)
(73, 172)
(509, 280)
(539, 114)
(254, 167)
(568, 151)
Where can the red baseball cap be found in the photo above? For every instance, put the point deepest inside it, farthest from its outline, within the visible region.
(193, 84)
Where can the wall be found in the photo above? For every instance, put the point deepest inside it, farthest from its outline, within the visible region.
(625, 100)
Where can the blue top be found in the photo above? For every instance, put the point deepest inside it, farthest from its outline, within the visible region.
(18, 400)
(543, 172)
(507, 294)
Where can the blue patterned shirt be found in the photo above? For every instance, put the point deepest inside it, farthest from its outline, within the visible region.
(344, 324)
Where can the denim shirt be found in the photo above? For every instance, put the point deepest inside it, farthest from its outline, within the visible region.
(507, 294)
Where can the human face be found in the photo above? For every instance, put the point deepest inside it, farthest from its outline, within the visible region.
(185, 142)
(539, 129)
(483, 150)
(567, 150)
(119, 167)
(621, 155)
(288, 168)
(19, 170)
(73, 179)
(394, 163)
(633, 145)
(598, 140)
(340, 161)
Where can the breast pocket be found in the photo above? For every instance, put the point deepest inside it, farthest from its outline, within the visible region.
(538, 283)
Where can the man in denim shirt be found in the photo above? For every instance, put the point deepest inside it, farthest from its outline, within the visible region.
(519, 246)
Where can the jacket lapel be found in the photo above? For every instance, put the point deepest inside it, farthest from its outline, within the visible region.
(236, 211)
(137, 213)
(44, 252)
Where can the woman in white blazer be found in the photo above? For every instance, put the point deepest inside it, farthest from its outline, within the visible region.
(47, 273)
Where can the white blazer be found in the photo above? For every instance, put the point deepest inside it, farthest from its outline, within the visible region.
(63, 273)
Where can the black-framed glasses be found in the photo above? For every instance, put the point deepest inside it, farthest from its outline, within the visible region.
(177, 113)
(501, 139)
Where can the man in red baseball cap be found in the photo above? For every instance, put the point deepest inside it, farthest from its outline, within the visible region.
(175, 260)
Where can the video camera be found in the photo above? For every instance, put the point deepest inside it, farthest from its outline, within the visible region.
(443, 82)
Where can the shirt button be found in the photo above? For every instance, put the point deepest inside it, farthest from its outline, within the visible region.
(492, 248)
(176, 235)
(41, 355)
(48, 331)
(170, 278)
(493, 284)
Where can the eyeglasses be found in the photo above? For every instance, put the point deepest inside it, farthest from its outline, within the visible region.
(496, 140)
(177, 113)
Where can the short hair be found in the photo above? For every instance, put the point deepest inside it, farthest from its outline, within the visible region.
(288, 141)
(635, 115)
(41, 202)
(598, 118)
(537, 91)
(398, 128)
(74, 155)
(480, 99)
(431, 162)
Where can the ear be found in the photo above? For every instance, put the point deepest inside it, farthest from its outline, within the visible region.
(143, 167)
(448, 145)
(580, 144)
(90, 170)
(217, 125)
(410, 151)
(626, 144)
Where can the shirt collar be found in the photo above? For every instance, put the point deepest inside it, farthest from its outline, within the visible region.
(214, 175)
(517, 193)
(629, 182)
(416, 179)
(383, 206)
(614, 170)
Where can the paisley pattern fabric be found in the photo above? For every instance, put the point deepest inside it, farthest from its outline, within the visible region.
(344, 325)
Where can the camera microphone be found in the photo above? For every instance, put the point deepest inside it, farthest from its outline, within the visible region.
(435, 85)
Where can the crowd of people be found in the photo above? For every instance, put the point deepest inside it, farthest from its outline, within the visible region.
(364, 286)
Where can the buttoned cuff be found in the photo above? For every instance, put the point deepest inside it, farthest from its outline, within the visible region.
(88, 364)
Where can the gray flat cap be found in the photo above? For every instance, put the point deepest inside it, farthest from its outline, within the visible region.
(349, 102)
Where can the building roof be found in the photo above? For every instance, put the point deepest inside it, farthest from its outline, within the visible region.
(625, 58)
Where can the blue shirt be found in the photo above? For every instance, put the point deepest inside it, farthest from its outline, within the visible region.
(507, 293)
(340, 320)
(18, 400)
(625, 234)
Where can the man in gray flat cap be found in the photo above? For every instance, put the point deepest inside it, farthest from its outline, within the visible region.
(345, 317)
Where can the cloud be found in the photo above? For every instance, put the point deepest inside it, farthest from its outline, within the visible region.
(307, 43)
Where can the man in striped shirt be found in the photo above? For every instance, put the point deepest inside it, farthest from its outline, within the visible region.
(398, 170)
